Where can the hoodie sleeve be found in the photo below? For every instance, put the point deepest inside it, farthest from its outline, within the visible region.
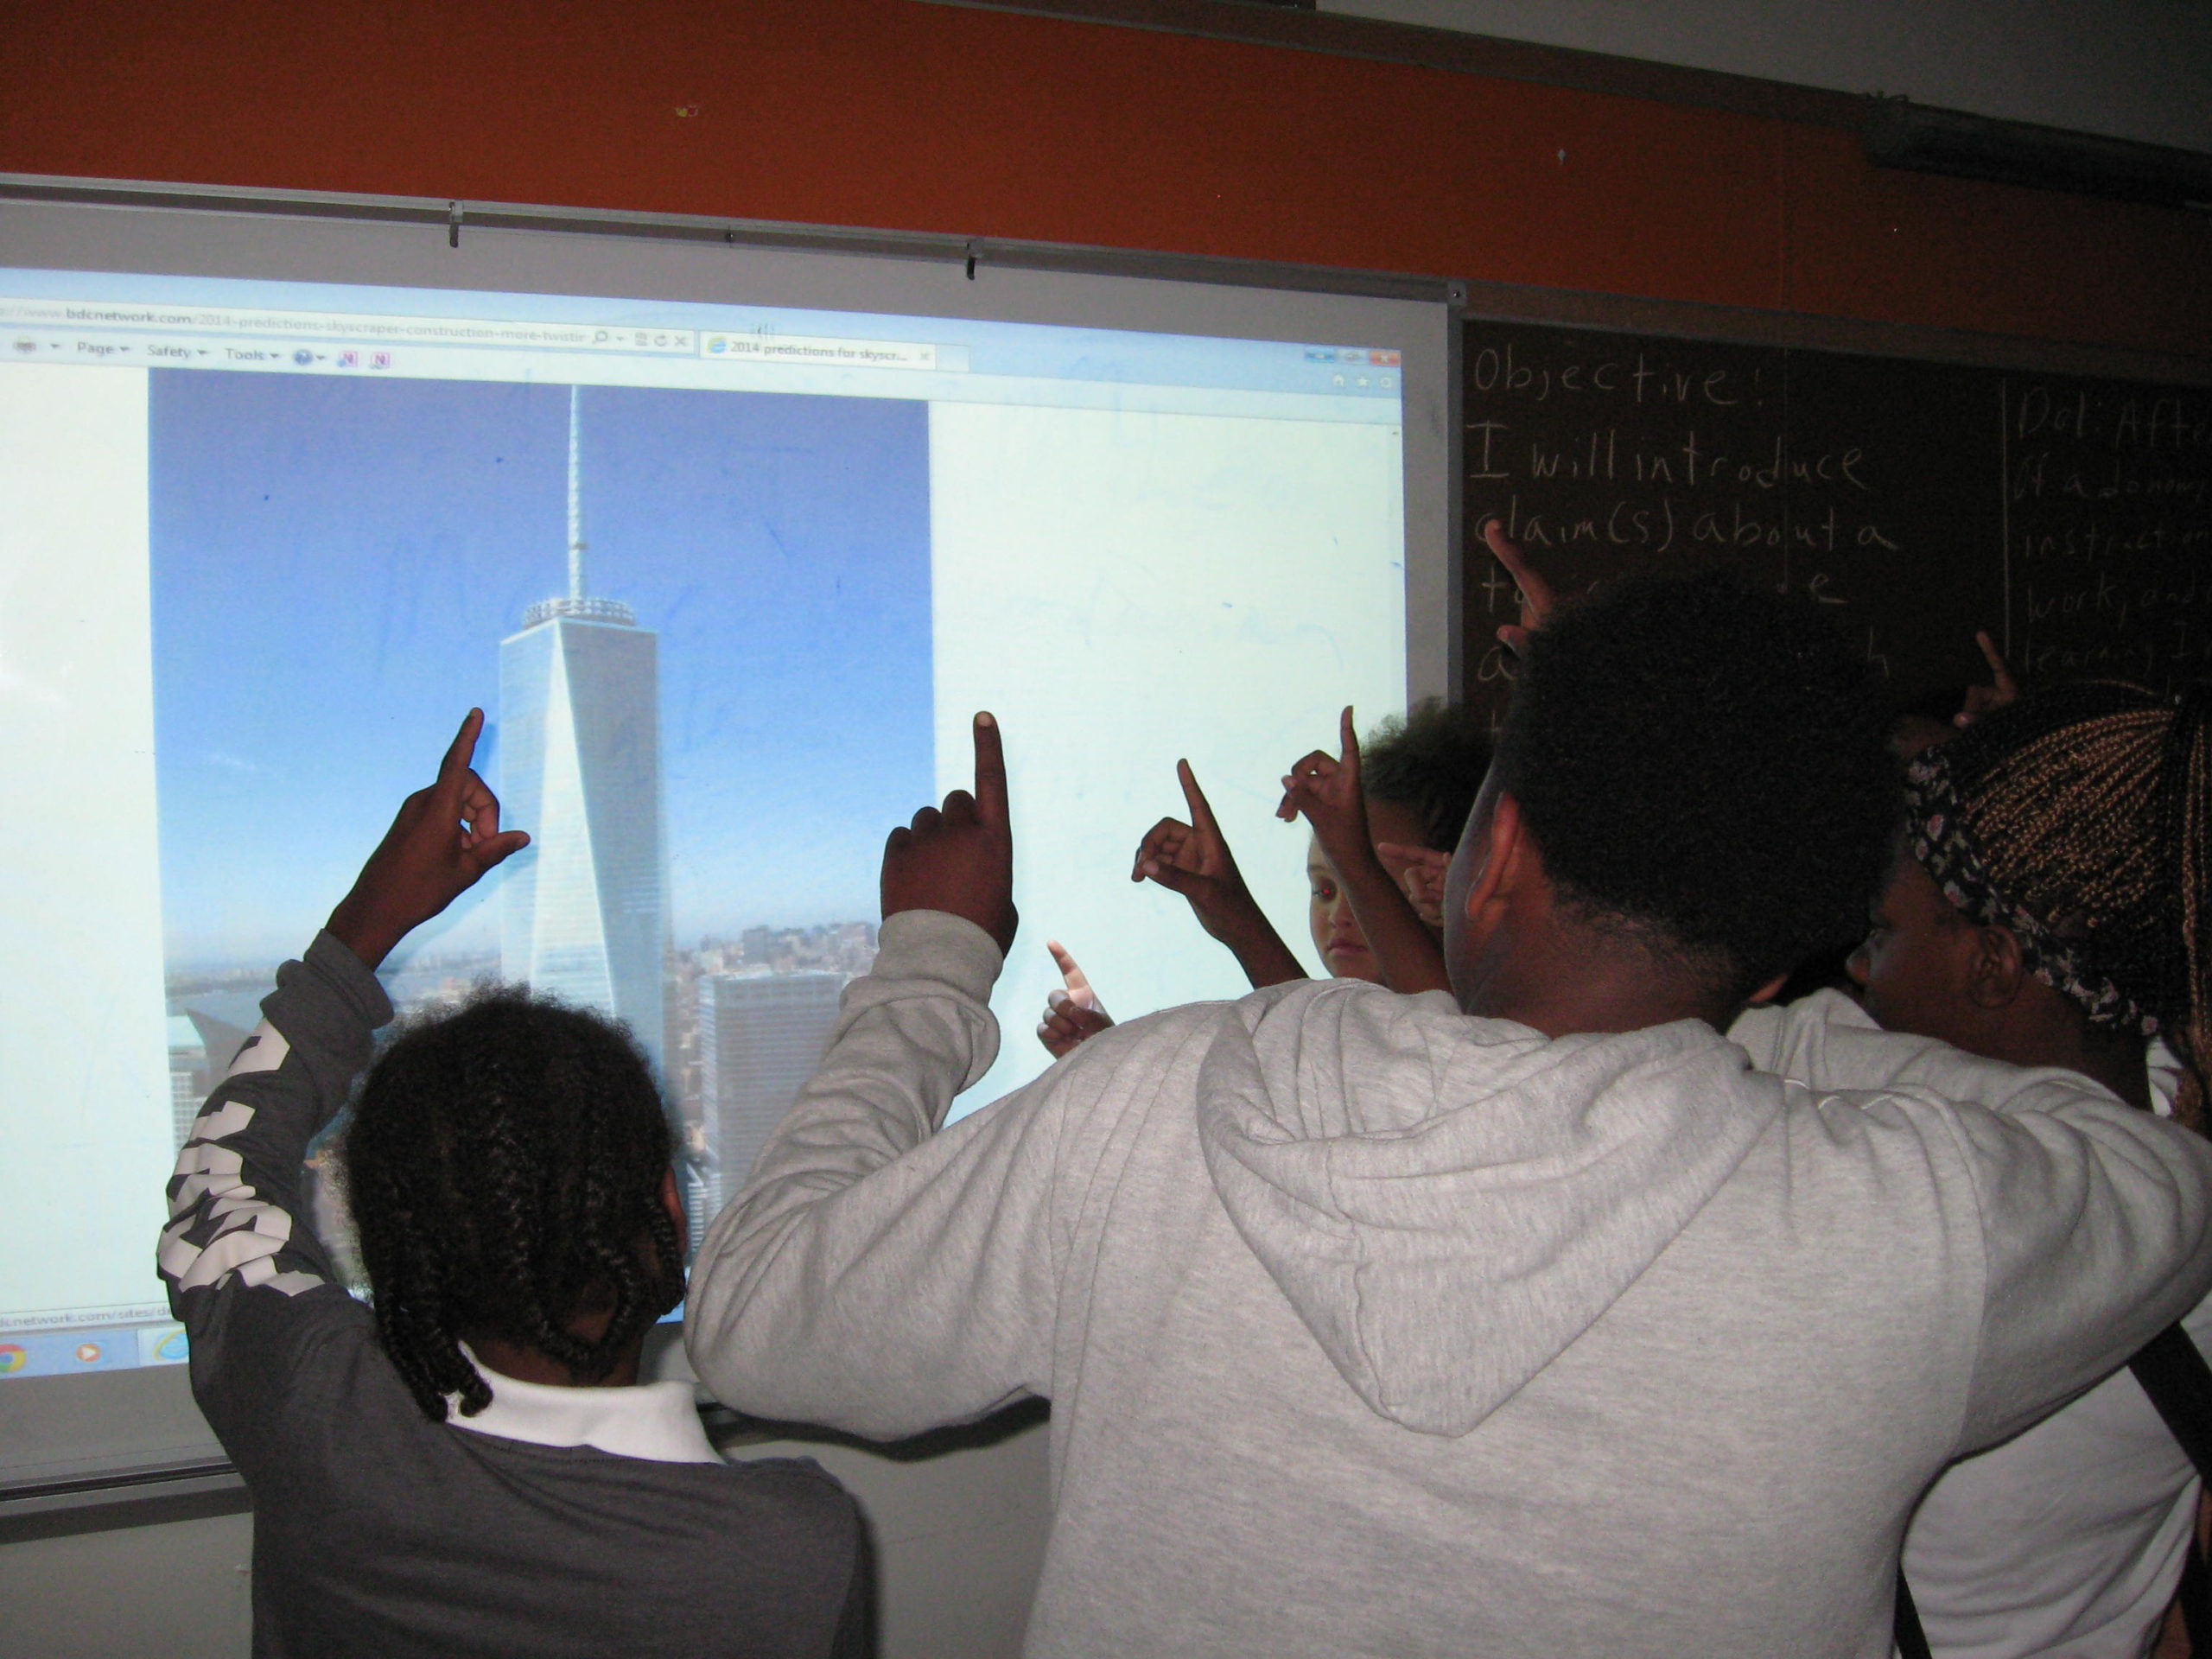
(876, 1275)
(252, 1285)
(2094, 1217)
(2096, 1230)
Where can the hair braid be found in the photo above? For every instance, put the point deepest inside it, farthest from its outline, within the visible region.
(2186, 776)
(505, 1163)
(2086, 808)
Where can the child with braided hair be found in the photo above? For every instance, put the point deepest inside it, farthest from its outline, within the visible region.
(2051, 909)
(2059, 861)
(474, 1467)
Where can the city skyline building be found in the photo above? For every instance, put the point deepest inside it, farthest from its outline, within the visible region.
(585, 915)
(760, 1036)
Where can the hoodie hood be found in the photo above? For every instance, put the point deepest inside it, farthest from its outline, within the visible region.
(1450, 1202)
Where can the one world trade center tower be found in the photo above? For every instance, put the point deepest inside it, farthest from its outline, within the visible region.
(586, 915)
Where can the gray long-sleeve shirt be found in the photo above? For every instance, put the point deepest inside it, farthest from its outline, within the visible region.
(378, 1532)
(1372, 1328)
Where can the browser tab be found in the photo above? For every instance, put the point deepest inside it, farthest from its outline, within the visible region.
(822, 352)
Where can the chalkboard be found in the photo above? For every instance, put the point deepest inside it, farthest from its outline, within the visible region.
(2069, 518)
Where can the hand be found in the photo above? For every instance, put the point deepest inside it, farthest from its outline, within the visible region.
(1537, 602)
(1193, 859)
(443, 841)
(1326, 789)
(959, 858)
(1074, 978)
(1073, 1015)
(2001, 690)
(1421, 875)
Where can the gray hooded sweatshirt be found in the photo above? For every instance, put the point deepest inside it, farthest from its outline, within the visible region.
(1373, 1328)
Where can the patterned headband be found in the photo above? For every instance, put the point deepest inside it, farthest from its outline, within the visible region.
(1942, 843)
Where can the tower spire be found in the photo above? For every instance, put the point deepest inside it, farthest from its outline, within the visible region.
(576, 494)
(576, 602)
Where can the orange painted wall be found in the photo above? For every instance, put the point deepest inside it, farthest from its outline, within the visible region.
(899, 114)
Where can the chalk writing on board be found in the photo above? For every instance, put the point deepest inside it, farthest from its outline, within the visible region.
(1919, 501)
(1605, 456)
(2107, 526)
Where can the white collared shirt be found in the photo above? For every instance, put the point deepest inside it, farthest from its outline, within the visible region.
(656, 1422)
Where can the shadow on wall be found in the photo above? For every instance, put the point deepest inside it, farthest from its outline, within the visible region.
(956, 1519)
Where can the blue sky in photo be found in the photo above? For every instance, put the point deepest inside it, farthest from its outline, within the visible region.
(335, 561)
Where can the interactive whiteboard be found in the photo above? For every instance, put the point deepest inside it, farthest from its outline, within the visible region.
(730, 545)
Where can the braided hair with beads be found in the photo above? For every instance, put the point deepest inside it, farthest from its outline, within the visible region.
(504, 1165)
(2077, 817)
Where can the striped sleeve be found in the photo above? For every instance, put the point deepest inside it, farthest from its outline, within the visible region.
(237, 1218)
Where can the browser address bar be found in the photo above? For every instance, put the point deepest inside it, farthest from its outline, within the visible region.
(340, 326)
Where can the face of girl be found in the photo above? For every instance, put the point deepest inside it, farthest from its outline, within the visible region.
(1336, 933)
(1917, 963)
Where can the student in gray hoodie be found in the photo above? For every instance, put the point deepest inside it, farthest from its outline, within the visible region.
(1528, 1320)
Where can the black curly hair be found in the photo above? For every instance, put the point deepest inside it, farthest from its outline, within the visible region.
(1432, 760)
(504, 1165)
(1704, 768)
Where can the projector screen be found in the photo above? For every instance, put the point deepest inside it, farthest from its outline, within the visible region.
(730, 545)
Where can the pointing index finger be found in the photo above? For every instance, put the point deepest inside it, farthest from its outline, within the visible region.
(1534, 589)
(990, 772)
(462, 753)
(2000, 674)
(1073, 976)
(1195, 797)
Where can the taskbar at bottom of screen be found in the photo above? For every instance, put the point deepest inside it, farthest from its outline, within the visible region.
(70, 1353)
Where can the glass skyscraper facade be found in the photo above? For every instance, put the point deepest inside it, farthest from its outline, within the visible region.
(760, 1037)
(586, 915)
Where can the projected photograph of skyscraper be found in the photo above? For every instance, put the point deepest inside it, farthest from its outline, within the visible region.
(585, 915)
(698, 623)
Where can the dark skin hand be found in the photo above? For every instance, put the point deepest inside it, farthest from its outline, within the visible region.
(1326, 789)
(1537, 600)
(958, 858)
(1193, 859)
(444, 839)
(1420, 874)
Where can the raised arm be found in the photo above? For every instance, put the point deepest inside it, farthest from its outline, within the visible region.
(1193, 859)
(875, 1274)
(239, 1254)
(1326, 789)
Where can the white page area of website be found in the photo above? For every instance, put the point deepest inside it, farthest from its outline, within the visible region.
(87, 1110)
(1124, 590)
(1122, 586)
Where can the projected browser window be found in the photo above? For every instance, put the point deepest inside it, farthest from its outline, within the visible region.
(728, 583)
